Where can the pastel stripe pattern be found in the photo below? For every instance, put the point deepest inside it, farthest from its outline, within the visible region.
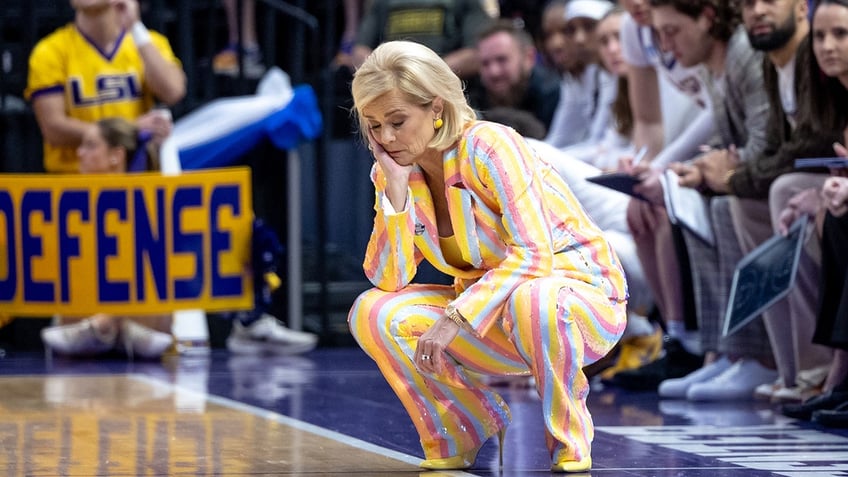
(552, 327)
(514, 219)
(545, 294)
(454, 412)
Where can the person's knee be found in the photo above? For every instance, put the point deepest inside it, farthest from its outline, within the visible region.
(787, 185)
(362, 312)
(535, 301)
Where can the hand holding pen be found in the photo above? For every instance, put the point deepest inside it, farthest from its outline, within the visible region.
(630, 165)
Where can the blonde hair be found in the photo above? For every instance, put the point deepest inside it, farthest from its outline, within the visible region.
(421, 76)
(118, 132)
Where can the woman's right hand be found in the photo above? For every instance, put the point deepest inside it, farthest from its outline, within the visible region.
(650, 186)
(397, 176)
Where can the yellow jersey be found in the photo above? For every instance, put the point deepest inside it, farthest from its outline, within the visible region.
(96, 84)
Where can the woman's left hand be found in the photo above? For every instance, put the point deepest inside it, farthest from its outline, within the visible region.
(650, 186)
(430, 356)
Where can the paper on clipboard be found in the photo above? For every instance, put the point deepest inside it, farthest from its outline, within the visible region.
(764, 276)
(687, 207)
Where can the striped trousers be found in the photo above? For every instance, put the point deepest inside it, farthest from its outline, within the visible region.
(551, 327)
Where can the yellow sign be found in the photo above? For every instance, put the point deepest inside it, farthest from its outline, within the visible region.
(130, 244)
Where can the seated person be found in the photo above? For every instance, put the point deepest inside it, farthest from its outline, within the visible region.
(612, 125)
(450, 32)
(510, 76)
(569, 45)
(113, 146)
(642, 341)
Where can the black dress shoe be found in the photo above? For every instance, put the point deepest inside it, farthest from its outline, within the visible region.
(822, 402)
(675, 362)
(836, 418)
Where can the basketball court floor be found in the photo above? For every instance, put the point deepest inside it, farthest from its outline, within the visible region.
(330, 413)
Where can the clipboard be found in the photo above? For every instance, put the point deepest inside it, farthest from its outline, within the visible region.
(764, 276)
(619, 181)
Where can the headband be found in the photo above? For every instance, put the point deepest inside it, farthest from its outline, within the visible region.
(594, 9)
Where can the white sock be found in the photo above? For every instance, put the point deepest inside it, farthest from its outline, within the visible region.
(638, 325)
(689, 339)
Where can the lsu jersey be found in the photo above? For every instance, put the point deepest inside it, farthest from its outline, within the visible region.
(96, 84)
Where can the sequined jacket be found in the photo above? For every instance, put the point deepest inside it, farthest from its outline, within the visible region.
(514, 219)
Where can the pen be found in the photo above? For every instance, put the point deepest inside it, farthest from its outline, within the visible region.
(639, 155)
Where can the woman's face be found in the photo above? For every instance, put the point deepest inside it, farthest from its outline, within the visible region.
(569, 44)
(402, 128)
(830, 40)
(95, 155)
(609, 45)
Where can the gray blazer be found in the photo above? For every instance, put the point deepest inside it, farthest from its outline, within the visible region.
(740, 102)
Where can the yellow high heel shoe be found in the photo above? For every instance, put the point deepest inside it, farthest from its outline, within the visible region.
(464, 460)
(582, 465)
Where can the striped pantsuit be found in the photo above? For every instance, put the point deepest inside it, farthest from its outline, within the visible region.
(550, 328)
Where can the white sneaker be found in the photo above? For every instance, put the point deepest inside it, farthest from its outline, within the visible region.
(268, 336)
(765, 391)
(678, 387)
(808, 383)
(737, 382)
(139, 340)
(78, 339)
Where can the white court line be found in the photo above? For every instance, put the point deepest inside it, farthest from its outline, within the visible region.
(301, 425)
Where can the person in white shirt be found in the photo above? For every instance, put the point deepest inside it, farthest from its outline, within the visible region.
(641, 342)
(671, 120)
(569, 44)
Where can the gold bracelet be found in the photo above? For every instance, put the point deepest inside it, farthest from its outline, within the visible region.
(727, 177)
(726, 182)
(453, 314)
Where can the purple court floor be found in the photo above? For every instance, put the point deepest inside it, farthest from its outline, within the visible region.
(337, 396)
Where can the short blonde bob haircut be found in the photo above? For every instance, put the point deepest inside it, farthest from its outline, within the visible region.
(421, 76)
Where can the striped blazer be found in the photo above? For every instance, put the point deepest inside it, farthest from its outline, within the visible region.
(514, 219)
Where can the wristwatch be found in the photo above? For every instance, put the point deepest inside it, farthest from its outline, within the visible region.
(453, 314)
(727, 176)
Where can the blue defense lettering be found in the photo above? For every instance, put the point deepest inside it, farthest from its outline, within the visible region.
(150, 245)
(9, 285)
(32, 202)
(223, 196)
(107, 246)
(69, 246)
(190, 243)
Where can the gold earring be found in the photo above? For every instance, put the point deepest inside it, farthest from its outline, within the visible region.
(438, 123)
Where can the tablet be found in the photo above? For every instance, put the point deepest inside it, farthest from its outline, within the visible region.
(764, 276)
